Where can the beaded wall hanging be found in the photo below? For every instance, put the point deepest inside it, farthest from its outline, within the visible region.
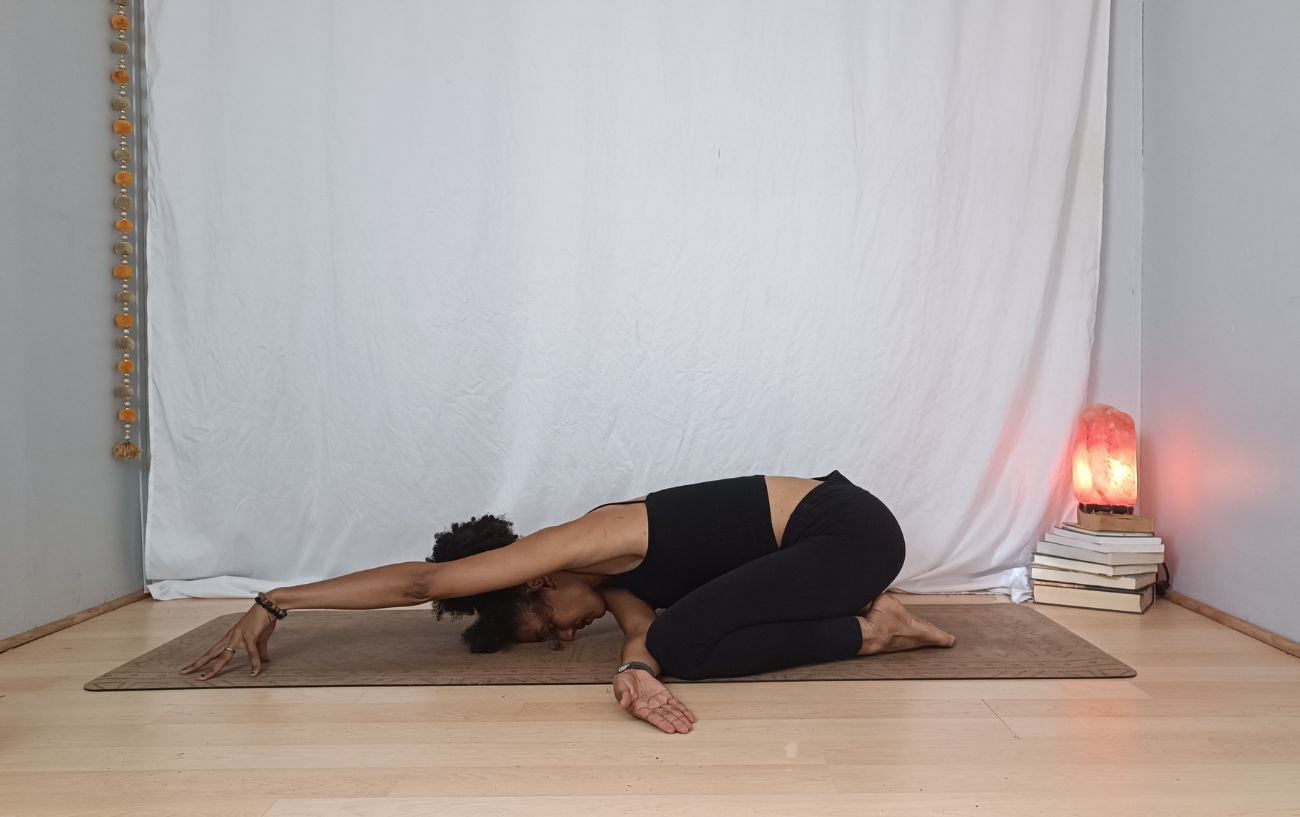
(124, 247)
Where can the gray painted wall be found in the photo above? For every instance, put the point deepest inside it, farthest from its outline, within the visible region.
(1117, 334)
(69, 512)
(1221, 302)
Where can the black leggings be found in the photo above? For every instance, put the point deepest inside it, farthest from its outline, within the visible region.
(795, 606)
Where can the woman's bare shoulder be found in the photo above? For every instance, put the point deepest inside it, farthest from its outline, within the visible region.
(618, 537)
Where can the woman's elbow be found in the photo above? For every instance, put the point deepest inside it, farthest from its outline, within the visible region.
(421, 586)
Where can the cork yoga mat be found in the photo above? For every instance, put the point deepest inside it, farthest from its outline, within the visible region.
(410, 648)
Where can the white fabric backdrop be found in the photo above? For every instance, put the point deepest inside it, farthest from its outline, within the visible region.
(415, 261)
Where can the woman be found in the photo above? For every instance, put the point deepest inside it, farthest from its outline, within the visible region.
(752, 574)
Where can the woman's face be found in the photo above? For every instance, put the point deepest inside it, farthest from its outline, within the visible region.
(568, 603)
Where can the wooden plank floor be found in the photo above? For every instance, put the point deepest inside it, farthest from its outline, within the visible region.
(1210, 726)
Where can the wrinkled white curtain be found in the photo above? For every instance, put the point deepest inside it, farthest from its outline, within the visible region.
(415, 261)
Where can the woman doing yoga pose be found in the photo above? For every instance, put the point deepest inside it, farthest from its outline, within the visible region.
(749, 575)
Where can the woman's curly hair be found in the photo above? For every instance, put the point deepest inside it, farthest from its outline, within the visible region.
(498, 610)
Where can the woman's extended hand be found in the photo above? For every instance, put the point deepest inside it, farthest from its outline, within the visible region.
(642, 694)
(250, 634)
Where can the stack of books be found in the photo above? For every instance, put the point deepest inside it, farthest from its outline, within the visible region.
(1104, 570)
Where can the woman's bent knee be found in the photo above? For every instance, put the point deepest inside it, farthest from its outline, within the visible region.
(674, 652)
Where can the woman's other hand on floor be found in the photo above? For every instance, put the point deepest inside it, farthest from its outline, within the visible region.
(250, 634)
(647, 699)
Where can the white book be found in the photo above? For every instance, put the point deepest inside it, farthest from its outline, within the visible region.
(1084, 555)
(1121, 600)
(1127, 546)
(1092, 567)
(1110, 542)
(1051, 574)
(1089, 531)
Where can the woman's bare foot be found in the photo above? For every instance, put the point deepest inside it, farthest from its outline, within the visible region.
(888, 627)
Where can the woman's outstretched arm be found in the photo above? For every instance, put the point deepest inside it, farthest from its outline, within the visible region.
(574, 544)
(398, 585)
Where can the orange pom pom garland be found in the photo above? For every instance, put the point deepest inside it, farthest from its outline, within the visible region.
(124, 225)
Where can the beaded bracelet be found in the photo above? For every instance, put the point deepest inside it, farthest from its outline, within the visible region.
(269, 606)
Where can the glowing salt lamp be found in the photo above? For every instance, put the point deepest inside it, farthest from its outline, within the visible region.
(1105, 460)
(1106, 470)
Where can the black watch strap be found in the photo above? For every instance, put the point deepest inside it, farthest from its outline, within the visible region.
(635, 665)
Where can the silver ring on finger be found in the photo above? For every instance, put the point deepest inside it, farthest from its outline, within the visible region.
(230, 650)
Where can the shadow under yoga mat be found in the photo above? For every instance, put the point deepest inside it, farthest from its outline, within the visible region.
(410, 648)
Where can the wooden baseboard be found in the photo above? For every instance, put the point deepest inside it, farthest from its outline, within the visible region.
(1228, 620)
(75, 618)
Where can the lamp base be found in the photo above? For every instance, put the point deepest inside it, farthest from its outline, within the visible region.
(1114, 523)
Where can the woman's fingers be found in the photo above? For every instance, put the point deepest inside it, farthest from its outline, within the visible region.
(212, 653)
(682, 712)
(196, 663)
(662, 716)
(676, 718)
(686, 710)
(254, 654)
(642, 709)
(217, 668)
(264, 639)
(656, 718)
(669, 708)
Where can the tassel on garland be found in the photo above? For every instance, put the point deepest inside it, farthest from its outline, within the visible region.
(126, 451)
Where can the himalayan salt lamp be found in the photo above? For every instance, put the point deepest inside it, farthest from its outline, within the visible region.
(1105, 460)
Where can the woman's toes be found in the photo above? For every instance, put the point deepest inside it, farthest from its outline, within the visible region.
(931, 634)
